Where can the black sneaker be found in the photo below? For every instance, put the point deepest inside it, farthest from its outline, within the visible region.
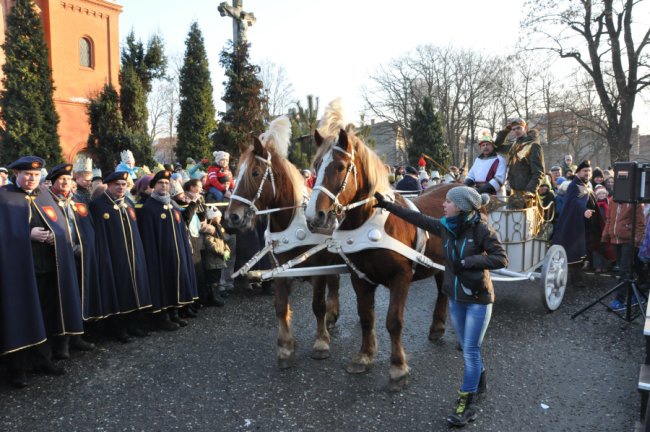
(464, 412)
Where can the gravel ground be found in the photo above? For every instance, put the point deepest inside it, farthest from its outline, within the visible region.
(547, 372)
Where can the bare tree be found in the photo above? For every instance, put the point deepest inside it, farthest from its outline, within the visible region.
(599, 36)
(278, 91)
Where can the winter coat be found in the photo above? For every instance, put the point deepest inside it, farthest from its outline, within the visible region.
(525, 160)
(215, 247)
(220, 178)
(618, 226)
(476, 245)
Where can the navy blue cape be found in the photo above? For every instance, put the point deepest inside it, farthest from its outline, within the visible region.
(169, 255)
(123, 272)
(570, 229)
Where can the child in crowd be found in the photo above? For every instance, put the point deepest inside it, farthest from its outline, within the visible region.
(216, 254)
(220, 183)
(605, 254)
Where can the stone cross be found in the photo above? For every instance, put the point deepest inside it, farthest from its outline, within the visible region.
(240, 20)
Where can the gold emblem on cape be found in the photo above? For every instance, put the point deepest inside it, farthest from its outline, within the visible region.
(106, 216)
(163, 216)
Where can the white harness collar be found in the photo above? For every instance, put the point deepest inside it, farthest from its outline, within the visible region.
(372, 235)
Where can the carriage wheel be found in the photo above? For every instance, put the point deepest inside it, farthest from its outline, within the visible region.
(554, 277)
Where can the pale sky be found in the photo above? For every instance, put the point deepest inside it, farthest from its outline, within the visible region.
(329, 47)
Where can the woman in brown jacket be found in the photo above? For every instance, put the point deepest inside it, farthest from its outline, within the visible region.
(618, 231)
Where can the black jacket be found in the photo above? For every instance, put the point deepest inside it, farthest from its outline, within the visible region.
(477, 246)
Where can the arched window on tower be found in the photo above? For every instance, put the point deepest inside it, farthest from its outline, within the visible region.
(86, 52)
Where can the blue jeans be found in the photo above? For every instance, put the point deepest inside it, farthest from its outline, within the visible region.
(216, 193)
(470, 321)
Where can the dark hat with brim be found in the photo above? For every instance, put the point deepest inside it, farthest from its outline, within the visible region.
(27, 163)
(117, 175)
(160, 175)
(584, 164)
(58, 171)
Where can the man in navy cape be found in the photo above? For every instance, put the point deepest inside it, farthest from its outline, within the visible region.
(82, 234)
(123, 273)
(577, 226)
(39, 294)
(168, 252)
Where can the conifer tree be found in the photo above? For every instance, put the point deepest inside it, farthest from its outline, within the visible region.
(244, 98)
(108, 136)
(427, 136)
(196, 119)
(138, 70)
(30, 120)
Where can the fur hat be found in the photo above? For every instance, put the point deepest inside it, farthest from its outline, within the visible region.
(219, 155)
(584, 164)
(467, 199)
(597, 172)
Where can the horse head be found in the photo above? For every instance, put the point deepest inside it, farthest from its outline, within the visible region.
(264, 177)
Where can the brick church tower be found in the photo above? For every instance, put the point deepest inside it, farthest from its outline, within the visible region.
(83, 39)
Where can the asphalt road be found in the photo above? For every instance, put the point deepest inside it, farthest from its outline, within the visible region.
(546, 372)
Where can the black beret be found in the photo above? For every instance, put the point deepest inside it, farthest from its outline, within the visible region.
(597, 172)
(410, 170)
(160, 175)
(28, 163)
(58, 171)
(584, 164)
(117, 175)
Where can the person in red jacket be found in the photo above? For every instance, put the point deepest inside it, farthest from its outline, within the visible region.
(220, 182)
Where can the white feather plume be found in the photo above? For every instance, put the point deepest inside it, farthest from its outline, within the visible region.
(279, 132)
(333, 119)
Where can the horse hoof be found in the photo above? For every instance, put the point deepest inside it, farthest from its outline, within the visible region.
(397, 385)
(357, 368)
(285, 363)
(435, 335)
(320, 354)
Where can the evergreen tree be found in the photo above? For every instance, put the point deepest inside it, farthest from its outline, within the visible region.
(138, 70)
(304, 121)
(244, 98)
(108, 136)
(133, 103)
(197, 114)
(427, 136)
(30, 120)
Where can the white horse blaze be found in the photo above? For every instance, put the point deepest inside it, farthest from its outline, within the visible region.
(310, 213)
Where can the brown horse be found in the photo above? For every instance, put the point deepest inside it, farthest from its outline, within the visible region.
(267, 180)
(348, 173)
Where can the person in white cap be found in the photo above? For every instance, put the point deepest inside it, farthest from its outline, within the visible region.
(4, 176)
(471, 249)
(220, 182)
(488, 173)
